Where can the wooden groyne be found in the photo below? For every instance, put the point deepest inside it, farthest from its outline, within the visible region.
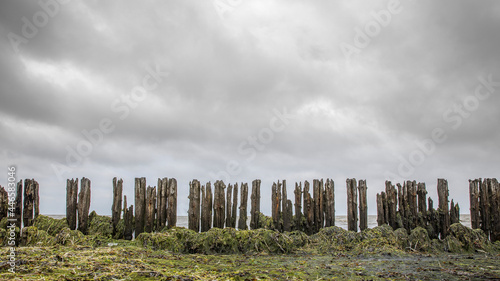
(309, 210)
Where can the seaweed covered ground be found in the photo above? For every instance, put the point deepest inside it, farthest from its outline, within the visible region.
(51, 251)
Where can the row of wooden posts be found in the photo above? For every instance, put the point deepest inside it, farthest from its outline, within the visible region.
(18, 210)
(406, 206)
(485, 206)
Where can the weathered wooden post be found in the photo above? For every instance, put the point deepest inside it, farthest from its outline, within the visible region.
(194, 205)
(71, 202)
(352, 210)
(318, 204)
(219, 204)
(4, 203)
(308, 210)
(444, 213)
(422, 198)
(454, 213)
(140, 205)
(242, 221)
(206, 207)
(412, 202)
(28, 202)
(330, 203)
(474, 203)
(18, 210)
(433, 218)
(287, 219)
(36, 199)
(495, 210)
(172, 203)
(363, 208)
(288, 216)
(391, 197)
(380, 210)
(161, 216)
(128, 217)
(234, 206)
(276, 205)
(255, 205)
(150, 209)
(83, 205)
(385, 207)
(298, 206)
(116, 209)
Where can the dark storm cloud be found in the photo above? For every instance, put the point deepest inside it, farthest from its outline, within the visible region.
(222, 80)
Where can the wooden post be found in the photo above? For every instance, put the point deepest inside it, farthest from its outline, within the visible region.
(18, 211)
(242, 222)
(150, 209)
(363, 209)
(207, 208)
(161, 216)
(412, 202)
(401, 204)
(4, 203)
(234, 206)
(28, 202)
(454, 213)
(219, 204)
(71, 202)
(287, 219)
(140, 205)
(330, 203)
(128, 217)
(275, 205)
(308, 210)
(255, 205)
(83, 205)
(474, 203)
(298, 206)
(288, 216)
(279, 224)
(495, 210)
(116, 209)
(352, 210)
(172, 203)
(385, 206)
(433, 219)
(444, 213)
(422, 198)
(194, 205)
(36, 194)
(318, 206)
(380, 210)
(391, 197)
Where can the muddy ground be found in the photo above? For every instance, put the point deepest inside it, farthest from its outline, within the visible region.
(128, 262)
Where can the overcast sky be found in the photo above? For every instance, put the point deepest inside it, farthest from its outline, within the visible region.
(251, 89)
